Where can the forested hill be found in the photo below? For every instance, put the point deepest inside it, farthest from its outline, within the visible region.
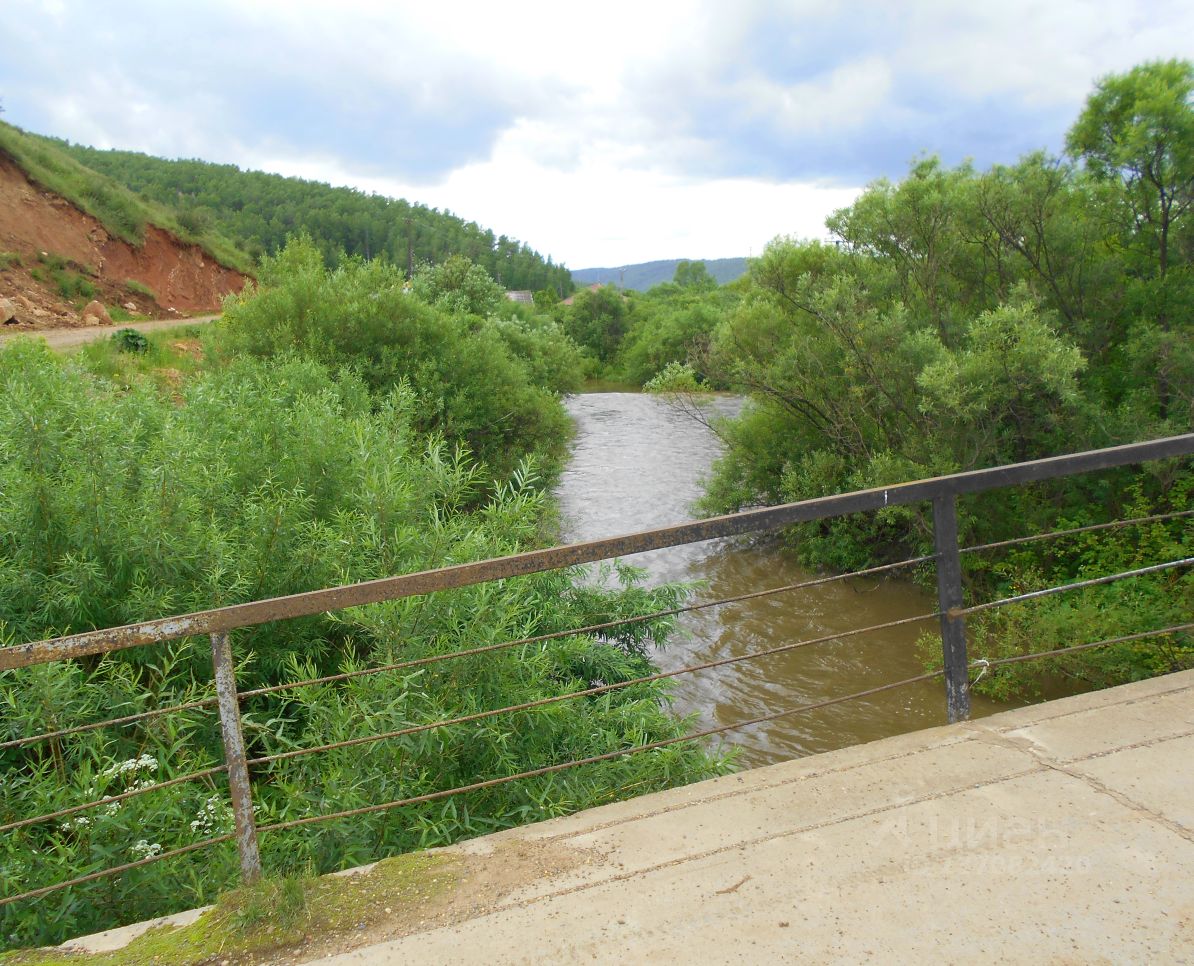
(646, 275)
(260, 210)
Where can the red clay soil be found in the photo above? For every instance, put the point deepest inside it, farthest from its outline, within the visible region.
(35, 222)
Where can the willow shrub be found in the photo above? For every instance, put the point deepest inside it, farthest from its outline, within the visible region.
(470, 385)
(257, 479)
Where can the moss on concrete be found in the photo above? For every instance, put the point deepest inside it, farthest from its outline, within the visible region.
(255, 924)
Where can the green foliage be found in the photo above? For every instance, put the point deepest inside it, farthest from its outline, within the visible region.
(675, 377)
(130, 340)
(551, 358)
(119, 210)
(969, 319)
(68, 277)
(671, 325)
(137, 288)
(10, 260)
(694, 275)
(256, 479)
(597, 321)
(261, 211)
(469, 387)
(458, 287)
(1136, 135)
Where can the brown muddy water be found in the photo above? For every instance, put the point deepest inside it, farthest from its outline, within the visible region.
(638, 463)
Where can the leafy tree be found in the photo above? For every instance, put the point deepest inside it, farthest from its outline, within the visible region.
(1137, 132)
(975, 318)
(458, 286)
(694, 275)
(471, 388)
(597, 321)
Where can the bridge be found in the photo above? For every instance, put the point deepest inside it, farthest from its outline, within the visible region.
(870, 841)
(1062, 832)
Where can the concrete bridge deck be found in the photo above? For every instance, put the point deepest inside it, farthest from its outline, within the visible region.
(1059, 833)
(1062, 832)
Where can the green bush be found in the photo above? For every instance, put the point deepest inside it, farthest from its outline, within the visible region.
(68, 277)
(469, 387)
(130, 340)
(266, 478)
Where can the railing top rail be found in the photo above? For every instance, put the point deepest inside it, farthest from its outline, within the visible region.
(314, 602)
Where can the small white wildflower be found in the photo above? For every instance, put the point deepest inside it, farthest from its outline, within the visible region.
(70, 824)
(146, 850)
(131, 765)
(212, 814)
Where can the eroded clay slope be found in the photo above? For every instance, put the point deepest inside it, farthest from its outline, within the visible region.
(43, 230)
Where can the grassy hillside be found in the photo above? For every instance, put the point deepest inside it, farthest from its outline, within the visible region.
(644, 275)
(261, 210)
(121, 212)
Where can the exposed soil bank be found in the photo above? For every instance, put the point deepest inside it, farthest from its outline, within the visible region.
(38, 225)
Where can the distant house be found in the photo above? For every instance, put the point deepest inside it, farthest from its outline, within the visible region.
(525, 297)
(596, 286)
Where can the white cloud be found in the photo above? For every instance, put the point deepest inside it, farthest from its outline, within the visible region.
(602, 211)
(609, 134)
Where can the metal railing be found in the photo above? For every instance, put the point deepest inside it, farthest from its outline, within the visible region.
(941, 492)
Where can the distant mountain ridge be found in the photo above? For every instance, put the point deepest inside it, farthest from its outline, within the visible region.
(645, 275)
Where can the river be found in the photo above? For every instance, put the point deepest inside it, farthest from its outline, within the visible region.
(638, 463)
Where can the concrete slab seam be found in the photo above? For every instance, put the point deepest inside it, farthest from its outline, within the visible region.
(1067, 767)
(758, 840)
(736, 792)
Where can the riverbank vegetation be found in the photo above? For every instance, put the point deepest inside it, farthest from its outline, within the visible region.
(960, 319)
(333, 428)
(344, 423)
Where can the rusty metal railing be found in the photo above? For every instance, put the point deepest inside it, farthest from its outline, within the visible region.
(941, 492)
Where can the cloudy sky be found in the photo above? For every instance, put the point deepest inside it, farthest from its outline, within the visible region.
(601, 134)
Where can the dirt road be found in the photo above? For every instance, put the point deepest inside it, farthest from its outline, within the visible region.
(70, 338)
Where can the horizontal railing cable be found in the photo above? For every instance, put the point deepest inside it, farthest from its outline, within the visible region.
(551, 769)
(608, 756)
(589, 629)
(116, 870)
(587, 692)
(592, 628)
(1077, 585)
(1054, 534)
(651, 746)
(1062, 651)
(555, 635)
(109, 723)
(112, 799)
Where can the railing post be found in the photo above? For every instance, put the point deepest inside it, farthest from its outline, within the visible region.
(949, 596)
(234, 757)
